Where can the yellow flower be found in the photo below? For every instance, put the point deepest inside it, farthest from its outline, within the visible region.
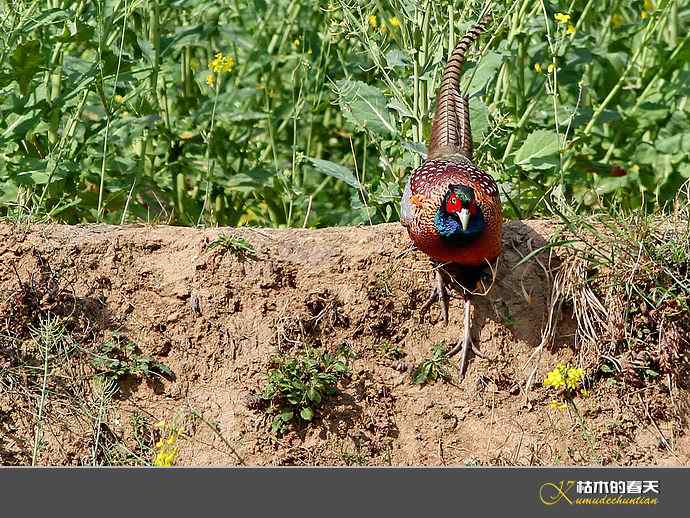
(228, 64)
(394, 22)
(649, 5)
(551, 68)
(564, 377)
(570, 29)
(537, 68)
(166, 451)
(373, 21)
(557, 405)
(119, 99)
(644, 14)
(211, 80)
(165, 459)
(562, 17)
(573, 377)
(616, 20)
(221, 63)
(555, 377)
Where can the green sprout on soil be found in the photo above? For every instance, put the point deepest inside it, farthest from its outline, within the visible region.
(298, 384)
(119, 358)
(434, 368)
(236, 245)
(390, 351)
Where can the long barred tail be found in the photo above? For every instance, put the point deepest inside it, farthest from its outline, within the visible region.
(450, 130)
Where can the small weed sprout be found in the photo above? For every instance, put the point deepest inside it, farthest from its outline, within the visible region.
(236, 245)
(390, 351)
(432, 369)
(298, 384)
(119, 358)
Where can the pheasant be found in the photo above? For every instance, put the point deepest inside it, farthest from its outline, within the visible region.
(450, 207)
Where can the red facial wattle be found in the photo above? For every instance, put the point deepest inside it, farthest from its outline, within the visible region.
(454, 204)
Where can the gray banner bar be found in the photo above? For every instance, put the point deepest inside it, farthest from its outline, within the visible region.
(350, 492)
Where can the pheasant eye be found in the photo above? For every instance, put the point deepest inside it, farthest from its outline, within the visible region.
(454, 203)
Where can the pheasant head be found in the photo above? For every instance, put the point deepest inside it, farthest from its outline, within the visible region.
(459, 217)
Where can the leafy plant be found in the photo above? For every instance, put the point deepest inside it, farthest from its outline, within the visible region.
(390, 351)
(298, 384)
(236, 245)
(434, 368)
(119, 357)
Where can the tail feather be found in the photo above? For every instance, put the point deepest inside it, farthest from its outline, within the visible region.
(466, 144)
(450, 130)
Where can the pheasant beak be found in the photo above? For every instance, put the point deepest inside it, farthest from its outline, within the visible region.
(464, 217)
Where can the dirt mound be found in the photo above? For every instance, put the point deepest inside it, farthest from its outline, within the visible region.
(191, 319)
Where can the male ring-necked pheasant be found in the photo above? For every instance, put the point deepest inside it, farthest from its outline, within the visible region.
(450, 207)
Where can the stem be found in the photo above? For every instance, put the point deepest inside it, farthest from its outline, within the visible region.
(41, 404)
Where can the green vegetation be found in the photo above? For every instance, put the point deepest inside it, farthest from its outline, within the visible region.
(298, 384)
(119, 358)
(295, 113)
(434, 368)
(236, 245)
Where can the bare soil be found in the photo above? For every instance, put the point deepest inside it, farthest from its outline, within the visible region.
(216, 320)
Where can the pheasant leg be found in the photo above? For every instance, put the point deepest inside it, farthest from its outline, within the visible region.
(465, 343)
(440, 293)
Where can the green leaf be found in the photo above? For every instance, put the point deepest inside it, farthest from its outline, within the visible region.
(684, 170)
(314, 395)
(307, 414)
(613, 183)
(250, 181)
(336, 171)
(26, 62)
(416, 147)
(422, 373)
(402, 110)
(365, 107)
(476, 79)
(163, 369)
(47, 17)
(244, 116)
(479, 117)
(146, 49)
(276, 425)
(538, 151)
(286, 415)
(397, 58)
(19, 127)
